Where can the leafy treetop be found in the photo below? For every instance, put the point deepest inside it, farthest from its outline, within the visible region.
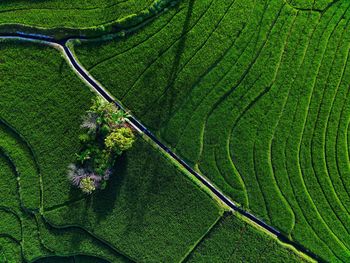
(107, 134)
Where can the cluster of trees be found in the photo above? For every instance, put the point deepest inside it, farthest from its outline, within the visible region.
(107, 134)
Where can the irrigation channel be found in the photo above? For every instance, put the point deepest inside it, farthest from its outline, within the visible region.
(79, 69)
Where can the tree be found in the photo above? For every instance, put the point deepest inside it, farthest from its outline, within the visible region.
(87, 185)
(106, 135)
(120, 140)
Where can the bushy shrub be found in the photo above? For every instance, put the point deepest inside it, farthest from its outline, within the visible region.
(120, 140)
(87, 185)
(107, 135)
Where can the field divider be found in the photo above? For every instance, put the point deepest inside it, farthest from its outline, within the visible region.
(195, 245)
(104, 242)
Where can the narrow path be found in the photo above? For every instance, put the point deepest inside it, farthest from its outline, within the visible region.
(86, 77)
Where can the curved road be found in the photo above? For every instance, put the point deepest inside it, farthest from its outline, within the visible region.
(79, 69)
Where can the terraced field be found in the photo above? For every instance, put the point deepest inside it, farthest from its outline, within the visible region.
(56, 19)
(252, 94)
(77, 14)
(46, 113)
(255, 95)
(35, 151)
(140, 217)
(35, 155)
(41, 104)
(241, 238)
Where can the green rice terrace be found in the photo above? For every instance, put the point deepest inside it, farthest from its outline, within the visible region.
(190, 131)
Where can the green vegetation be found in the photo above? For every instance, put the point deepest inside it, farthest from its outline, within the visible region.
(16, 148)
(10, 251)
(120, 140)
(147, 197)
(233, 240)
(87, 18)
(149, 211)
(73, 259)
(144, 210)
(77, 14)
(254, 94)
(40, 114)
(43, 101)
(107, 135)
(72, 241)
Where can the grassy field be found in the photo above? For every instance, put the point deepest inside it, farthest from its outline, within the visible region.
(150, 211)
(41, 104)
(41, 111)
(68, 14)
(233, 240)
(145, 210)
(254, 94)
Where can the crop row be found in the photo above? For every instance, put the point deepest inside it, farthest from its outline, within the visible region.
(88, 19)
(38, 104)
(254, 94)
(77, 14)
(143, 213)
(145, 209)
(240, 239)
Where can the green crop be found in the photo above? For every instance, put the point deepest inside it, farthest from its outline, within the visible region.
(242, 243)
(255, 95)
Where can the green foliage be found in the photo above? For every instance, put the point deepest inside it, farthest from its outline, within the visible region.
(84, 138)
(83, 156)
(105, 114)
(87, 185)
(107, 135)
(120, 140)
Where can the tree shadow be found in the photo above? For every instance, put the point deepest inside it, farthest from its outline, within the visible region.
(143, 187)
(170, 94)
(181, 46)
(104, 201)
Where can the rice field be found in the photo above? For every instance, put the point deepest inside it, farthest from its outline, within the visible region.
(68, 14)
(241, 239)
(150, 211)
(254, 94)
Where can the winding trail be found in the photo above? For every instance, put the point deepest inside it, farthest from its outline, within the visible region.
(98, 88)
